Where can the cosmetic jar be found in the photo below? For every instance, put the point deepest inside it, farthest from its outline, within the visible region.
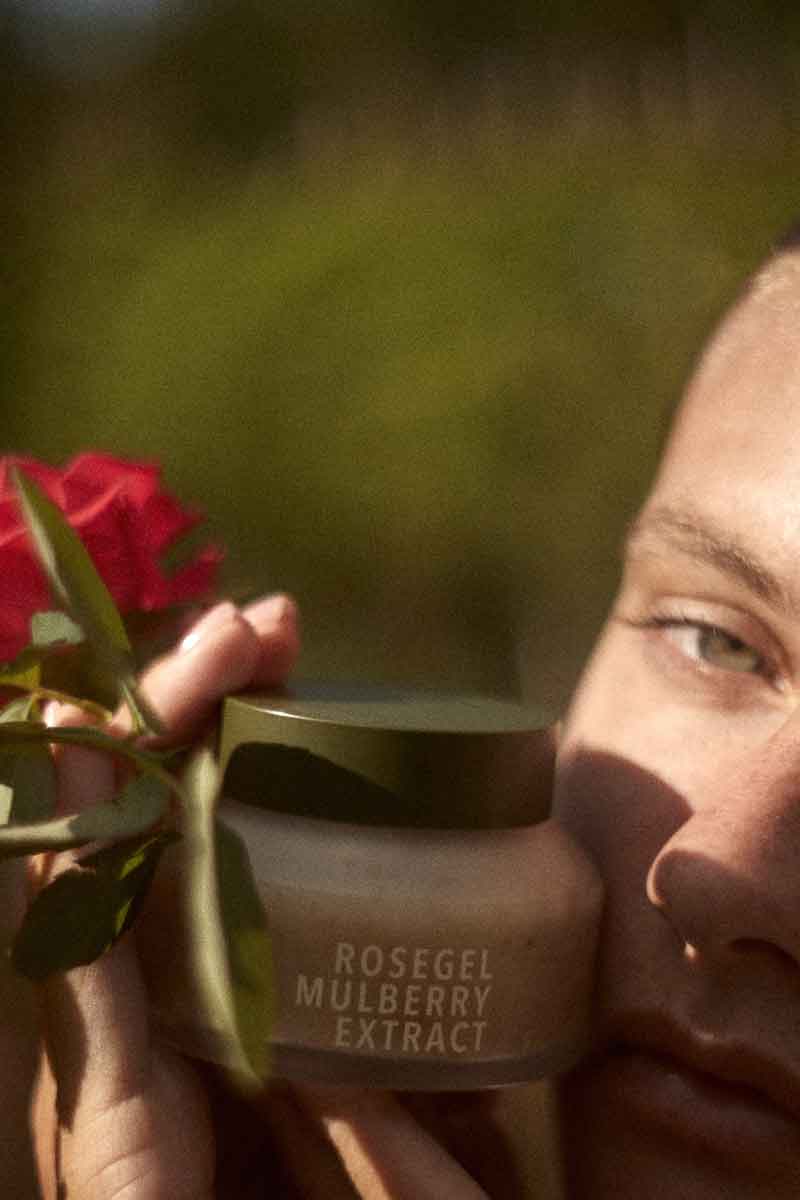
(431, 926)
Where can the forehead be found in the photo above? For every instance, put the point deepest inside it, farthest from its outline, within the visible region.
(734, 451)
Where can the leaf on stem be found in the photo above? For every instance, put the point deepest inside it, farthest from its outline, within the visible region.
(50, 631)
(229, 945)
(16, 735)
(21, 708)
(138, 808)
(55, 629)
(67, 667)
(84, 911)
(72, 573)
(76, 581)
(24, 671)
(145, 718)
(247, 941)
(29, 777)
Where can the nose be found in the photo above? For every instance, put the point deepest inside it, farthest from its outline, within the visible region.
(728, 880)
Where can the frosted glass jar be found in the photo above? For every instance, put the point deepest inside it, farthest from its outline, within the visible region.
(431, 926)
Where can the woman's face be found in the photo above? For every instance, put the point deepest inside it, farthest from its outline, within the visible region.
(680, 773)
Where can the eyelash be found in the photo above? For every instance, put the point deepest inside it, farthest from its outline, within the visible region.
(765, 668)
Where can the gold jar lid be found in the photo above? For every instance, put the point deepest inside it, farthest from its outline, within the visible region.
(384, 756)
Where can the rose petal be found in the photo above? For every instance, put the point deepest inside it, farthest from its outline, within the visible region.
(194, 580)
(48, 478)
(93, 473)
(23, 591)
(126, 520)
(160, 518)
(106, 530)
(163, 522)
(9, 519)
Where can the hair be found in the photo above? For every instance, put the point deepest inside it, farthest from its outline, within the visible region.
(775, 269)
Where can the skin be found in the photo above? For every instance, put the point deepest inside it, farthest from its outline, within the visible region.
(678, 770)
(117, 1116)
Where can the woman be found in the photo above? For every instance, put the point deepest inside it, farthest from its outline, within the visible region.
(679, 770)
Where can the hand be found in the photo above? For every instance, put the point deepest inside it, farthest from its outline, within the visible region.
(117, 1116)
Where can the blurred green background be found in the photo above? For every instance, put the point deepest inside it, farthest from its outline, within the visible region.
(400, 293)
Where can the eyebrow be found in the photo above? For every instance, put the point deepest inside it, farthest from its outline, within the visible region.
(700, 539)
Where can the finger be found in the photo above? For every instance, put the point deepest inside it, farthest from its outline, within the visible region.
(276, 622)
(226, 651)
(271, 1146)
(86, 1007)
(218, 656)
(473, 1128)
(387, 1154)
(44, 1128)
(310, 1159)
(85, 777)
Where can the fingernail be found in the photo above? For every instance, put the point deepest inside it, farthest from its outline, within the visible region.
(56, 713)
(270, 612)
(52, 713)
(185, 688)
(215, 618)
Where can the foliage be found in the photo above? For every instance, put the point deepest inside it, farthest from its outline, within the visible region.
(124, 523)
(423, 387)
(86, 908)
(403, 297)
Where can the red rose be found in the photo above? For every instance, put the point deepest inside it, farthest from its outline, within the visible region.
(126, 521)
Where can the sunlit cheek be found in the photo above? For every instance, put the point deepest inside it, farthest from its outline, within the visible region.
(612, 699)
(624, 711)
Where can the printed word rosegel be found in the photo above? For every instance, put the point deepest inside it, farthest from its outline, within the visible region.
(406, 999)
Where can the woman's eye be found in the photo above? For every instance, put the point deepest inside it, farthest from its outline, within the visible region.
(712, 654)
(711, 645)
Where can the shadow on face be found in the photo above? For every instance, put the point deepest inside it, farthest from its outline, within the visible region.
(700, 935)
(620, 813)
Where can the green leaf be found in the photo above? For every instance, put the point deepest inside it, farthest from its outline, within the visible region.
(16, 735)
(84, 911)
(140, 805)
(249, 957)
(145, 718)
(31, 776)
(23, 671)
(63, 667)
(27, 784)
(19, 734)
(55, 628)
(229, 946)
(22, 708)
(74, 578)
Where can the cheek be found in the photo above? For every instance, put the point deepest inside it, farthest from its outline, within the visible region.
(622, 815)
(637, 756)
(621, 812)
(634, 764)
(629, 762)
(615, 721)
